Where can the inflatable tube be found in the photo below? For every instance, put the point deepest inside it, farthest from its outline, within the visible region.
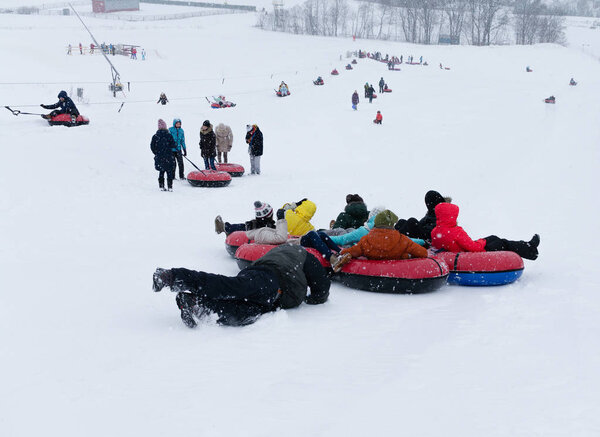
(234, 170)
(349, 67)
(552, 101)
(235, 240)
(387, 90)
(281, 95)
(335, 73)
(388, 276)
(209, 178)
(247, 253)
(482, 268)
(318, 83)
(67, 120)
(354, 61)
(408, 276)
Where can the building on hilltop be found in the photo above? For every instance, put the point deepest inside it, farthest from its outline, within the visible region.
(102, 6)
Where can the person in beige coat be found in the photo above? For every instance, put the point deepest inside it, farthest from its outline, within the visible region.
(224, 141)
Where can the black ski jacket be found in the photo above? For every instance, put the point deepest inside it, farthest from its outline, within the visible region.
(66, 107)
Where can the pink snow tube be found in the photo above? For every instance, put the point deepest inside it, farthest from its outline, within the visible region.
(209, 178)
(235, 170)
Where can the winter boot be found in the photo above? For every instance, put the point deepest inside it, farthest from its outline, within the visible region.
(161, 278)
(340, 262)
(535, 241)
(169, 184)
(219, 225)
(161, 184)
(527, 250)
(186, 302)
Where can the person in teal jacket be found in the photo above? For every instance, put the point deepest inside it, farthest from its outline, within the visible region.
(179, 137)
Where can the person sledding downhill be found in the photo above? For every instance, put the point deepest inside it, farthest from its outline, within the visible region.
(550, 99)
(283, 90)
(264, 219)
(64, 106)
(572, 82)
(319, 81)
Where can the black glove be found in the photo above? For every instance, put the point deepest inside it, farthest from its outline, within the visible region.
(185, 153)
(280, 214)
(298, 203)
(43, 106)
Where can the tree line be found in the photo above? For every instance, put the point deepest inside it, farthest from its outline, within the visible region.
(475, 22)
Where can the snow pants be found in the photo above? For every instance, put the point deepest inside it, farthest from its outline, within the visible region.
(233, 227)
(238, 300)
(254, 164)
(179, 163)
(521, 248)
(320, 241)
(209, 163)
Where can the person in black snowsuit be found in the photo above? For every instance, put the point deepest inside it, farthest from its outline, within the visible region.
(277, 280)
(161, 145)
(370, 93)
(264, 219)
(254, 139)
(162, 99)
(422, 228)
(381, 84)
(208, 145)
(65, 106)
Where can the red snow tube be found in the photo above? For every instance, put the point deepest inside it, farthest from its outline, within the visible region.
(553, 101)
(318, 83)
(482, 268)
(374, 95)
(247, 253)
(68, 120)
(387, 90)
(387, 276)
(281, 95)
(234, 170)
(335, 73)
(235, 240)
(419, 275)
(209, 178)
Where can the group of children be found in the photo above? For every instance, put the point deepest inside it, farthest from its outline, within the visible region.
(375, 234)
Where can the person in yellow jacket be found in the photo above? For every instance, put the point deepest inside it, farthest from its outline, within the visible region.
(298, 216)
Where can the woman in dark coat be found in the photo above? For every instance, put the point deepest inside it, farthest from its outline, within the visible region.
(161, 145)
(208, 145)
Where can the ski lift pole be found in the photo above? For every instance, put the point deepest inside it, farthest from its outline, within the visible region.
(116, 77)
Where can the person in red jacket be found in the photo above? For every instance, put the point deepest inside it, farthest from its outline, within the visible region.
(447, 235)
(378, 118)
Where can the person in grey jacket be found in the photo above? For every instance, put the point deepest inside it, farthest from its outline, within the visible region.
(277, 280)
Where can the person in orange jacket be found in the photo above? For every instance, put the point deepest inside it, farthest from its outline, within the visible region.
(382, 242)
(378, 118)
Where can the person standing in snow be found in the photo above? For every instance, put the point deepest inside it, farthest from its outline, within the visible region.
(208, 145)
(69, 49)
(224, 141)
(370, 93)
(65, 105)
(355, 100)
(143, 55)
(378, 118)
(179, 136)
(366, 89)
(92, 48)
(254, 139)
(162, 146)
(279, 279)
(381, 84)
(133, 53)
(80, 49)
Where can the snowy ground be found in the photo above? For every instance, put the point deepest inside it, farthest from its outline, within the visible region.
(87, 349)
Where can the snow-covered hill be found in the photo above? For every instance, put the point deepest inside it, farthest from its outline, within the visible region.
(87, 349)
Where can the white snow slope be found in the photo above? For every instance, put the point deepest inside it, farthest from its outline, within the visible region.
(86, 347)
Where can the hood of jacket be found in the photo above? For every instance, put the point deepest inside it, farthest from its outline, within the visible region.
(175, 121)
(357, 210)
(306, 209)
(446, 214)
(433, 199)
(208, 130)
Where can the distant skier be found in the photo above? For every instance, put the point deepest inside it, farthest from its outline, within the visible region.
(528, 69)
(92, 48)
(366, 89)
(378, 118)
(162, 146)
(355, 100)
(80, 49)
(283, 89)
(65, 106)
(162, 99)
(179, 136)
(381, 84)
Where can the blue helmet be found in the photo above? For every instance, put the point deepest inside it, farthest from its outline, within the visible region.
(62, 94)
